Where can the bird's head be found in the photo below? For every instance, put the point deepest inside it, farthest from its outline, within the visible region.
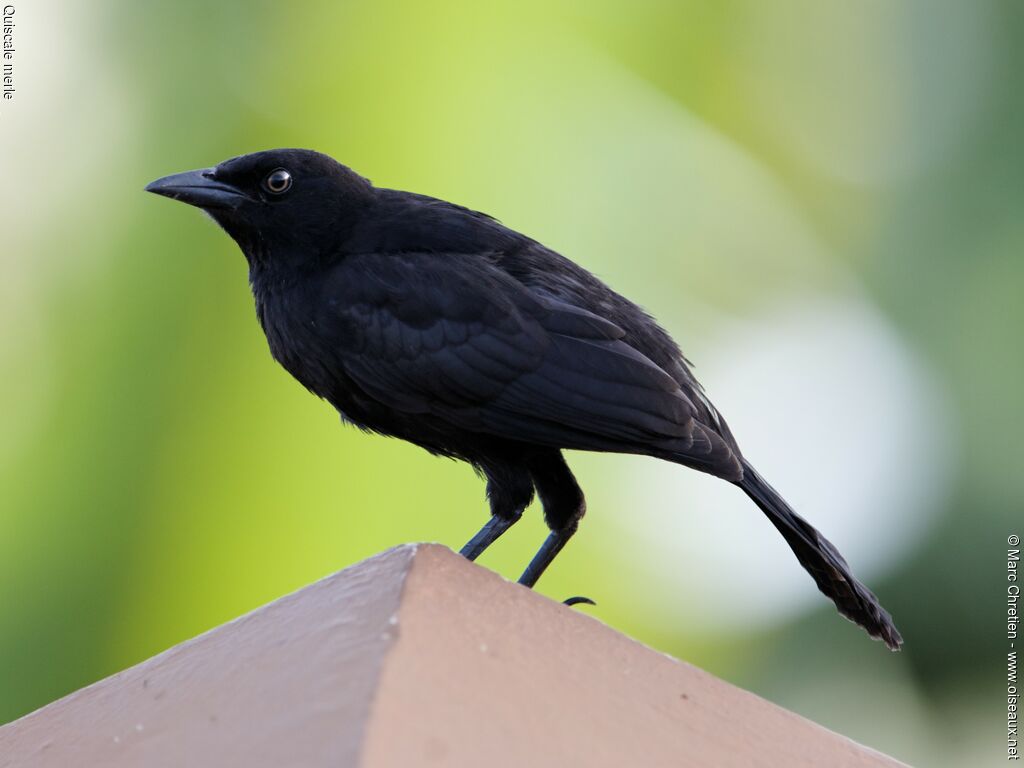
(281, 204)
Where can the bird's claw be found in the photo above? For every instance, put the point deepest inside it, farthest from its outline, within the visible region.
(577, 600)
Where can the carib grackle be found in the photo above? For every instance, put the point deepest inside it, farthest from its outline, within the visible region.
(423, 320)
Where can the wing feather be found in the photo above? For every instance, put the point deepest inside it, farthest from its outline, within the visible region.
(456, 337)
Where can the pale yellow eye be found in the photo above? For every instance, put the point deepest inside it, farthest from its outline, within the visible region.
(278, 182)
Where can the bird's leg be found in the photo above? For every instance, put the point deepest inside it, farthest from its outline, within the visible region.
(509, 491)
(564, 505)
(549, 549)
(487, 535)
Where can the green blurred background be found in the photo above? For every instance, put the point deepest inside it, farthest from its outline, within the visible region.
(820, 200)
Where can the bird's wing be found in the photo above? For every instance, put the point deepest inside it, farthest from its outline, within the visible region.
(455, 337)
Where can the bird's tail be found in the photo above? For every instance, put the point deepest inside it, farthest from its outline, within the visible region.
(823, 561)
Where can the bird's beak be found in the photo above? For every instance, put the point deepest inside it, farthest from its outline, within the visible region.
(198, 188)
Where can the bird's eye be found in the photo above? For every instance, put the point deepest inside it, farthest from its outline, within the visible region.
(278, 182)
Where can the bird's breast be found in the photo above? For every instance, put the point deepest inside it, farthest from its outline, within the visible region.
(289, 321)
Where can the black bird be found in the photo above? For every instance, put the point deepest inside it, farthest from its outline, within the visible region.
(430, 322)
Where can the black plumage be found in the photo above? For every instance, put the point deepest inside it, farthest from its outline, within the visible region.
(436, 324)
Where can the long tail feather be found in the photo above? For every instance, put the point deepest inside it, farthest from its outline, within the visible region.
(823, 561)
